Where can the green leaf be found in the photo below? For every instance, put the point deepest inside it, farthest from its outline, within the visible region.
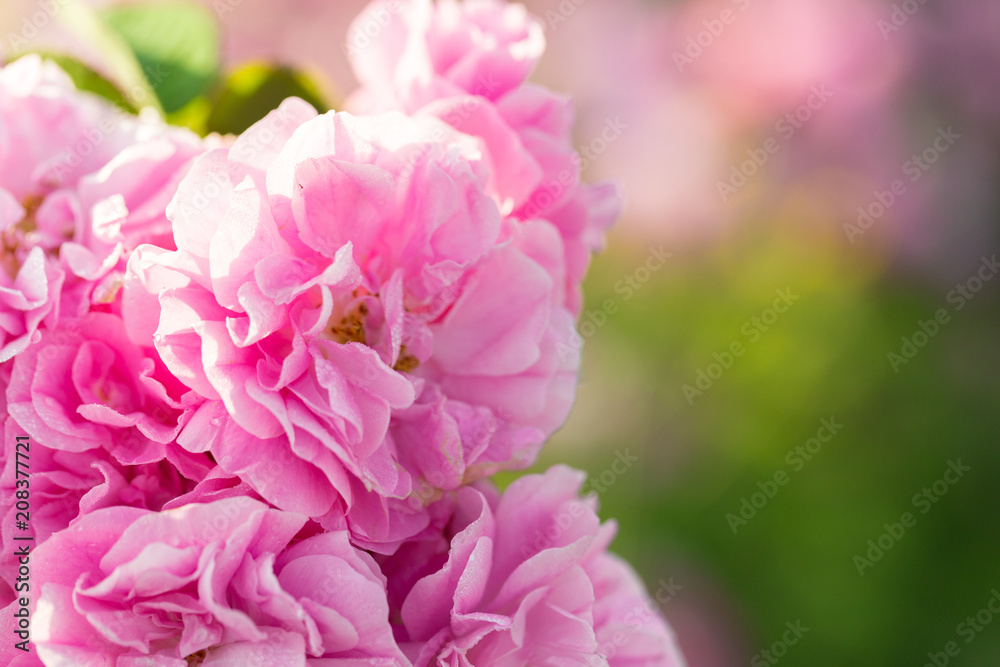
(88, 79)
(194, 116)
(115, 54)
(176, 43)
(254, 90)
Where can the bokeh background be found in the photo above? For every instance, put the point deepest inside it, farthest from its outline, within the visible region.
(825, 178)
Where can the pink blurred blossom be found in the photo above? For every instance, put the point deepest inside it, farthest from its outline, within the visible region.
(467, 64)
(81, 183)
(523, 578)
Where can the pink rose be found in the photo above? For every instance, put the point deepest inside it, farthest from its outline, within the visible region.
(630, 630)
(81, 184)
(63, 486)
(423, 51)
(85, 386)
(523, 579)
(361, 323)
(467, 63)
(223, 583)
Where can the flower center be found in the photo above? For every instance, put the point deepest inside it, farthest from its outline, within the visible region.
(196, 658)
(350, 328)
(406, 361)
(12, 238)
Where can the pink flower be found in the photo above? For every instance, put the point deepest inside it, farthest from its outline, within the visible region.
(224, 583)
(63, 486)
(364, 328)
(467, 64)
(84, 386)
(524, 579)
(630, 630)
(81, 184)
(423, 51)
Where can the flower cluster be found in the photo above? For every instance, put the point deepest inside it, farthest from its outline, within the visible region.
(265, 378)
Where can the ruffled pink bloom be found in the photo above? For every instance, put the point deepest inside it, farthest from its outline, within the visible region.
(630, 630)
(63, 486)
(423, 51)
(101, 416)
(222, 583)
(524, 580)
(364, 328)
(84, 386)
(81, 184)
(467, 63)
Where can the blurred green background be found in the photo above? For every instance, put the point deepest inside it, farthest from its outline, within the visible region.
(753, 138)
(825, 358)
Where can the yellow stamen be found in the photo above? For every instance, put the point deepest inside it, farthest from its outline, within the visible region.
(350, 328)
(406, 362)
(11, 238)
(196, 658)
